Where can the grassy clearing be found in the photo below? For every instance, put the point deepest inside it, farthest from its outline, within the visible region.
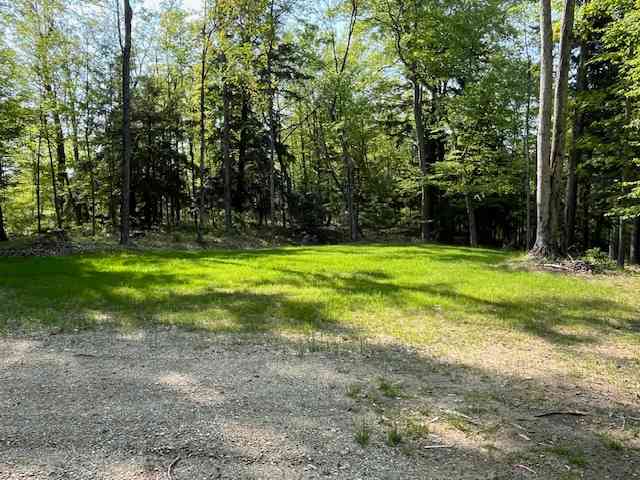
(416, 294)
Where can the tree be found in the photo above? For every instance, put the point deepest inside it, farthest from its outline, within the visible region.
(12, 118)
(551, 135)
(126, 125)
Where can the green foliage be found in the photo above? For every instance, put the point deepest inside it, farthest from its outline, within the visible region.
(394, 436)
(363, 433)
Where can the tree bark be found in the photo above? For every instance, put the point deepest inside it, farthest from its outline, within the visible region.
(425, 194)
(634, 257)
(126, 126)
(527, 155)
(544, 242)
(37, 179)
(612, 243)
(203, 78)
(473, 228)
(551, 157)
(226, 157)
(54, 183)
(3, 232)
(622, 243)
(574, 158)
(272, 119)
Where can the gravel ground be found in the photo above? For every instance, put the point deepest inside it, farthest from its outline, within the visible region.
(177, 405)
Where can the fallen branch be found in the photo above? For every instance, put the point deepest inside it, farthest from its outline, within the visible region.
(574, 413)
(430, 447)
(524, 467)
(171, 467)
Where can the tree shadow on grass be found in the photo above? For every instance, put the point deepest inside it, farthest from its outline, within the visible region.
(155, 288)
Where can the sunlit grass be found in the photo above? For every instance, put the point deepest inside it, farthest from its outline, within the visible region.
(417, 294)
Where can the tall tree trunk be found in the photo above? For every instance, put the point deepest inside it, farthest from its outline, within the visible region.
(551, 156)
(425, 194)
(126, 126)
(349, 191)
(3, 232)
(612, 243)
(271, 108)
(558, 143)
(203, 78)
(634, 257)
(37, 178)
(622, 243)
(574, 158)
(471, 215)
(240, 190)
(226, 156)
(54, 183)
(544, 241)
(527, 154)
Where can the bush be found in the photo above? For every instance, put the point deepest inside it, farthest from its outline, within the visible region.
(599, 260)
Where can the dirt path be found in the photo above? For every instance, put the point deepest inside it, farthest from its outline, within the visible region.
(105, 405)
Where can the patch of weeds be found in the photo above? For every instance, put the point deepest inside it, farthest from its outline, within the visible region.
(389, 389)
(362, 435)
(611, 442)
(458, 422)
(574, 456)
(394, 435)
(416, 429)
(354, 390)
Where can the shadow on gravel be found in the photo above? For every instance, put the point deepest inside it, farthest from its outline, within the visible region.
(108, 405)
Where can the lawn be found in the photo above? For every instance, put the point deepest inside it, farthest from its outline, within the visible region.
(416, 294)
(364, 360)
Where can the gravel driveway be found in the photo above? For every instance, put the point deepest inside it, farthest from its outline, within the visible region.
(179, 405)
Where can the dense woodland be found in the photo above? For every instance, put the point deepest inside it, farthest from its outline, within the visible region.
(494, 122)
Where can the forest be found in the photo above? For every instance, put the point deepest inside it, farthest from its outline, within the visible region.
(502, 123)
(313, 239)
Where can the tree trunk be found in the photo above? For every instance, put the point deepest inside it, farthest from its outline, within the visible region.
(473, 228)
(54, 183)
(544, 245)
(612, 243)
(622, 243)
(635, 243)
(126, 126)
(551, 156)
(203, 77)
(37, 178)
(574, 158)
(350, 180)
(425, 194)
(271, 108)
(226, 157)
(3, 232)
(527, 155)
(558, 143)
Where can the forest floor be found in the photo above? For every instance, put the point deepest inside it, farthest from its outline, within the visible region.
(365, 361)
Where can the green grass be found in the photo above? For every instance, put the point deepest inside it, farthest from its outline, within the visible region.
(572, 455)
(417, 294)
